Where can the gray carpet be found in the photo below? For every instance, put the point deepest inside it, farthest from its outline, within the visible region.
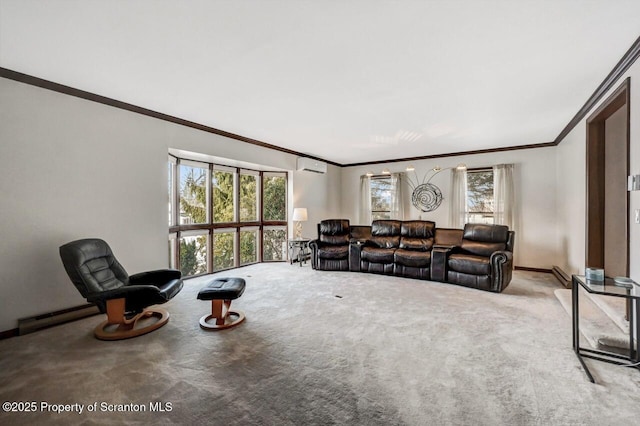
(330, 348)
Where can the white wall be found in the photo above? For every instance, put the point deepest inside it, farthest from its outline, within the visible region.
(72, 168)
(571, 170)
(320, 194)
(535, 186)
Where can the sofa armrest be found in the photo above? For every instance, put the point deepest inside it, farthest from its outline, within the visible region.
(501, 270)
(313, 245)
(444, 247)
(355, 251)
(439, 259)
(159, 276)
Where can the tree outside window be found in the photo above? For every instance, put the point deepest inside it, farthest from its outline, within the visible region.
(480, 199)
(248, 198)
(275, 243)
(223, 249)
(193, 254)
(274, 239)
(275, 201)
(380, 187)
(248, 246)
(193, 195)
(223, 196)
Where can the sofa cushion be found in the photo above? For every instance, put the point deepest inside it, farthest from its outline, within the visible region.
(385, 233)
(335, 239)
(377, 255)
(482, 249)
(413, 258)
(469, 264)
(333, 252)
(416, 244)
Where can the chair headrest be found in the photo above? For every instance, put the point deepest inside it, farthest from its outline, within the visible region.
(334, 227)
(486, 233)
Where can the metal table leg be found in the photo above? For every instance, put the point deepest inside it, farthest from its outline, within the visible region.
(575, 288)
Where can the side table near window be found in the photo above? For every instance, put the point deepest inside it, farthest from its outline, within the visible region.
(299, 248)
(608, 287)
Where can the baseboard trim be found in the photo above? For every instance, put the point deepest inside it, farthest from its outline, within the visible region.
(562, 276)
(526, 268)
(38, 322)
(8, 333)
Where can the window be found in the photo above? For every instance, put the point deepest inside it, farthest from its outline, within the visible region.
(380, 197)
(275, 244)
(274, 212)
(249, 245)
(223, 249)
(223, 183)
(480, 197)
(221, 217)
(193, 193)
(275, 200)
(249, 196)
(193, 252)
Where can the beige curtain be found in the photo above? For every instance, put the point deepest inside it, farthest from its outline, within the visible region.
(365, 200)
(398, 196)
(503, 195)
(458, 208)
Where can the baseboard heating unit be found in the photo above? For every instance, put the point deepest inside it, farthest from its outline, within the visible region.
(38, 322)
(562, 276)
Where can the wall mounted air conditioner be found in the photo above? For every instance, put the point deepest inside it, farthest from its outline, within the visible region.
(311, 165)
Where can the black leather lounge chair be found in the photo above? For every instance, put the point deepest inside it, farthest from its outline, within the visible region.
(330, 251)
(125, 299)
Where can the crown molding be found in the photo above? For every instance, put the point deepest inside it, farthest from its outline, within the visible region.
(455, 154)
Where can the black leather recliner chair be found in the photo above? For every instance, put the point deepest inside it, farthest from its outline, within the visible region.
(377, 254)
(484, 259)
(125, 299)
(413, 257)
(330, 251)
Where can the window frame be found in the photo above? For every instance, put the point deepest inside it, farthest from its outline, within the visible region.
(484, 214)
(373, 212)
(285, 253)
(177, 231)
(208, 248)
(259, 189)
(178, 178)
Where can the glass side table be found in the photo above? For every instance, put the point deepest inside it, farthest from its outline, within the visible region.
(298, 248)
(608, 287)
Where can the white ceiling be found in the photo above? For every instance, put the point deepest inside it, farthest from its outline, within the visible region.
(348, 81)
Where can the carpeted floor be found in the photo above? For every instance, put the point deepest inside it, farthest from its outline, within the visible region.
(321, 348)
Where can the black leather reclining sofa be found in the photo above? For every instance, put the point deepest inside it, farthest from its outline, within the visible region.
(478, 256)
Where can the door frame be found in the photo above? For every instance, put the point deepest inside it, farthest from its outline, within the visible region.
(595, 170)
